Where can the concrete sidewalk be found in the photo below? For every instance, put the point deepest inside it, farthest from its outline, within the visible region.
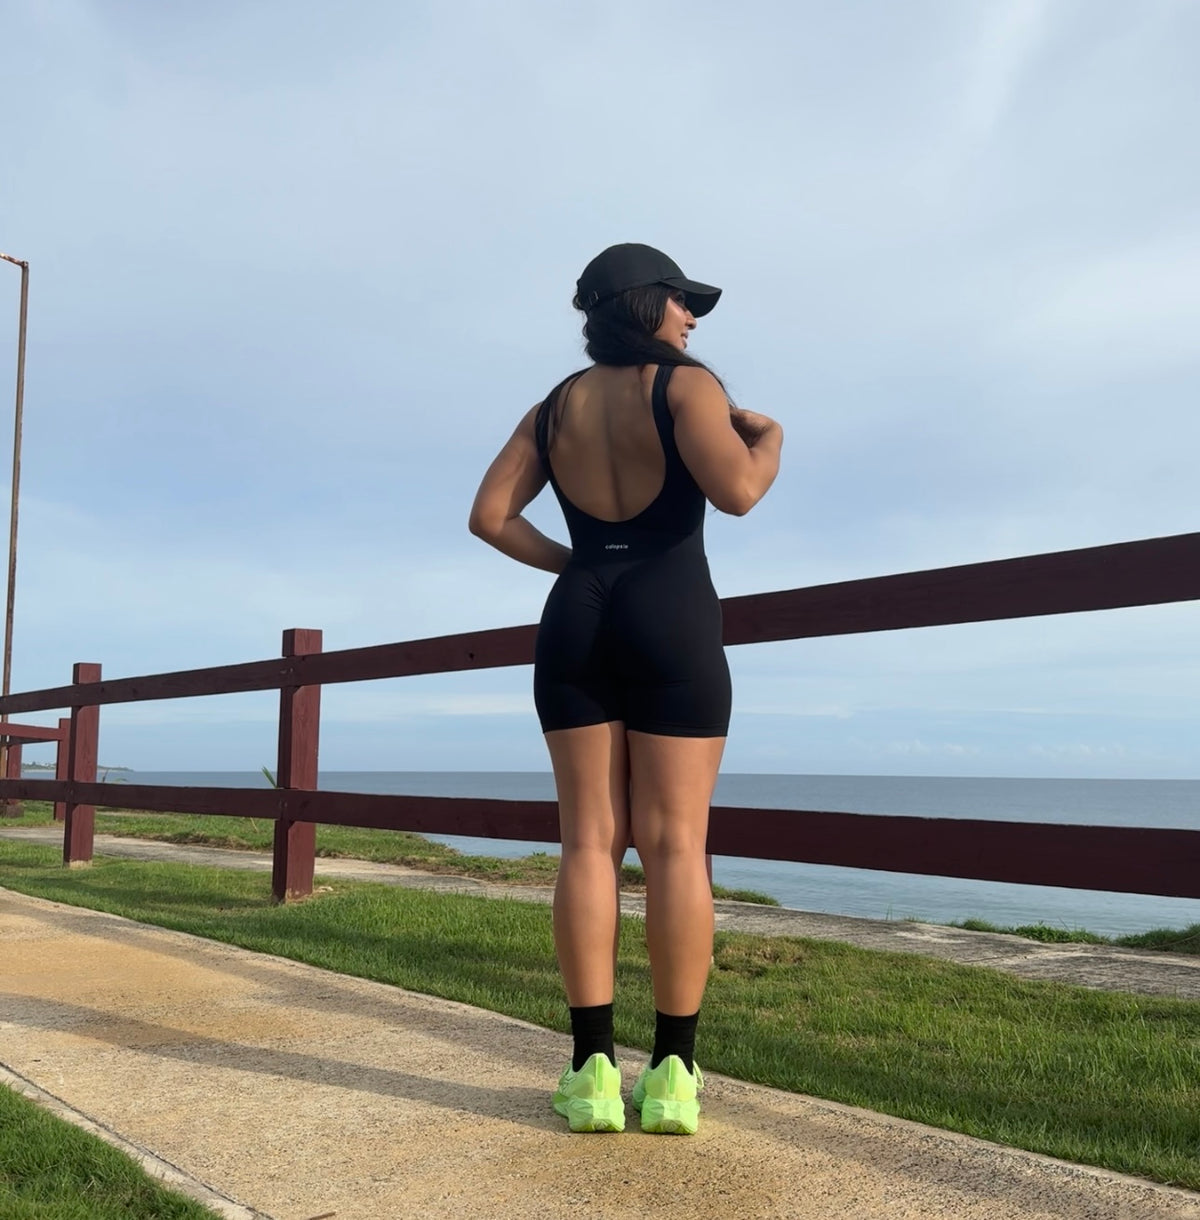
(276, 1089)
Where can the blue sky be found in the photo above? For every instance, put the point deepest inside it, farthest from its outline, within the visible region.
(297, 269)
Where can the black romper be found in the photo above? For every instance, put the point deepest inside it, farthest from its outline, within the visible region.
(631, 630)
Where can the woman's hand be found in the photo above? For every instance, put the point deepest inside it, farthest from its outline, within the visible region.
(750, 425)
(732, 454)
(511, 482)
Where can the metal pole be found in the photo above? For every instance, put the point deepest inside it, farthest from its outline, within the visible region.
(16, 477)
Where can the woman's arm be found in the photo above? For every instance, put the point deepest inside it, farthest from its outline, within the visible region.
(511, 482)
(750, 425)
(732, 454)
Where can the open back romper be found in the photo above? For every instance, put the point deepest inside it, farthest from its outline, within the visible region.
(631, 630)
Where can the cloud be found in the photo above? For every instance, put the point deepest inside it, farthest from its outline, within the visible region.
(1079, 752)
(919, 748)
(1009, 37)
(1118, 313)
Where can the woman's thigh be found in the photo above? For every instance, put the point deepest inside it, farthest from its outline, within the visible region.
(671, 781)
(591, 775)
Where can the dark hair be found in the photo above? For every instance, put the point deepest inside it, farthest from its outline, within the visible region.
(620, 330)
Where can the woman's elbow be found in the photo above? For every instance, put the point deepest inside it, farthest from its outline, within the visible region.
(481, 525)
(736, 502)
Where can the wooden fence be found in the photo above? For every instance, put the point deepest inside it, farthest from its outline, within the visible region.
(1116, 858)
(15, 736)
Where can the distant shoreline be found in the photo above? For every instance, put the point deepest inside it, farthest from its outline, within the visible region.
(51, 767)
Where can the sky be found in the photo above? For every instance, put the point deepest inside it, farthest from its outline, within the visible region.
(297, 270)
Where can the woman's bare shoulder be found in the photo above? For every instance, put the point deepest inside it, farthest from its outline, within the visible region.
(693, 386)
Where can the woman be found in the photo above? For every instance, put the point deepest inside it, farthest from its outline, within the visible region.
(630, 679)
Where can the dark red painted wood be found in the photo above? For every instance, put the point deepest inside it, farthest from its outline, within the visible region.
(1145, 573)
(12, 770)
(299, 730)
(535, 821)
(80, 819)
(443, 654)
(28, 732)
(1123, 859)
(12, 735)
(1149, 572)
(228, 802)
(492, 649)
(216, 680)
(62, 764)
(1136, 860)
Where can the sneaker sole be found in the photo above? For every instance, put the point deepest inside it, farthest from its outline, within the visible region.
(593, 1114)
(670, 1117)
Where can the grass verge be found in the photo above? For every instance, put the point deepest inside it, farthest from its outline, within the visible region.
(1168, 940)
(1093, 1077)
(348, 842)
(50, 1170)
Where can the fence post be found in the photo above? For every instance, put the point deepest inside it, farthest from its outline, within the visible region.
(62, 764)
(12, 770)
(299, 725)
(82, 749)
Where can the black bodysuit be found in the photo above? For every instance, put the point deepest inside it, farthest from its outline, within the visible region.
(632, 627)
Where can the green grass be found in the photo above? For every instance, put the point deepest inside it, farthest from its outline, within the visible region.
(349, 842)
(50, 1170)
(1094, 1077)
(1185, 940)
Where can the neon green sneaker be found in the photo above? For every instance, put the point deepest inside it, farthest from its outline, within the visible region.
(666, 1096)
(590, 1099)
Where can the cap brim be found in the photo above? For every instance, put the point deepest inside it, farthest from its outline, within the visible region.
(701, 298)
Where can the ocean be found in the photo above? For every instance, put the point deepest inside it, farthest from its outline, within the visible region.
(845, 891)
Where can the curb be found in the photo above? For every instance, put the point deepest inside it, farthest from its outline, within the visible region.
(163, 1171)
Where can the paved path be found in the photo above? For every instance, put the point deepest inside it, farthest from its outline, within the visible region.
(289, 1092)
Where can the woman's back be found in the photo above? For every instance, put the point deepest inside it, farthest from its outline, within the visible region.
(606, 441)
(604, 446)
(613, 435)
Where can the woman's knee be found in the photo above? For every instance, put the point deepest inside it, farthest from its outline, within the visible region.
(585, 846)
(593, 829)
(671, 840)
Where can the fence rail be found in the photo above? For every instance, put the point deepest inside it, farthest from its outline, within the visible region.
(13, 738)
(18, 733)
(1120, 859)
(1146, 573)
(1127, 859)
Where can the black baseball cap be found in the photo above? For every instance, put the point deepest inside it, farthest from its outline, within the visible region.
(631, 265)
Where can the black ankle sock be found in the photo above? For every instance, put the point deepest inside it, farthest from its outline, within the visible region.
(592, 1029)
(674, 1036)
